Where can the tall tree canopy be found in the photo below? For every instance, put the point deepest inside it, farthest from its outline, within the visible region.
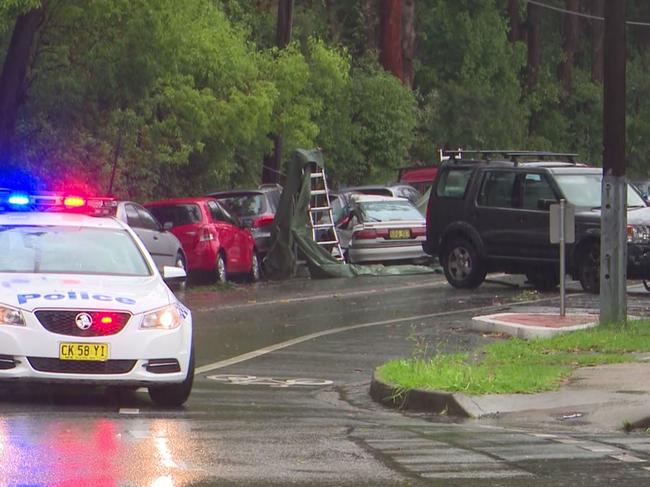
(179, 97)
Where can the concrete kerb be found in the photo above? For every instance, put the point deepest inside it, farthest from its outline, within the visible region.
(418, 400)
(464, 406)
(506, 323)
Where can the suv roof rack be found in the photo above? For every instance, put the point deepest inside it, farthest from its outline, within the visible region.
(513, 155)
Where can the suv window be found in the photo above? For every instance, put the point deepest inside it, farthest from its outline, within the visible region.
(536, 188)
(497, 189)
(453, 182)
(243, 205)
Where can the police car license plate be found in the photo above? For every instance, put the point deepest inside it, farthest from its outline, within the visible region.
(97, 352)
(398, 233)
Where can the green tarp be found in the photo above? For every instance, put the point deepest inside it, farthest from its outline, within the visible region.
(291, 234)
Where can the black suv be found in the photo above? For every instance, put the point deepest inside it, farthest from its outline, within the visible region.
(489, 212)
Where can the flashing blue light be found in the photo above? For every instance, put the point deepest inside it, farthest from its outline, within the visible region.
(18, 199)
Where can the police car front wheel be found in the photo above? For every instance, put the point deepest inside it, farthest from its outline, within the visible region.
(174, 395)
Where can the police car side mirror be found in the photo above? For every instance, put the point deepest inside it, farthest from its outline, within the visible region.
(171, 274)
(167, 226)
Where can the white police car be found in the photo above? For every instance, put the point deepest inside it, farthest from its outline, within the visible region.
(81, 301)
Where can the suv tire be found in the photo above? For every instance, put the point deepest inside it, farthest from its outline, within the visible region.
(589, 268)
(543, 279)
(462, 265)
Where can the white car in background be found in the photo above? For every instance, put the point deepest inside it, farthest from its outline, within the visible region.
(164, 247)
(81, 301)
(381, 229)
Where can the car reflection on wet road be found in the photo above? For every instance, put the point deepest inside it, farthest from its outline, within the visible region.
(281, 397)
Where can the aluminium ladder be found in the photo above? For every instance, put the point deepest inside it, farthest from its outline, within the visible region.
(321, 220)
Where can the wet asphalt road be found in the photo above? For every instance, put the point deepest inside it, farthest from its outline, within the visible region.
(281, 398)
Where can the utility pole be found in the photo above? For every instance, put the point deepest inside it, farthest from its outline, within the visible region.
(613, 250)
(272, 161)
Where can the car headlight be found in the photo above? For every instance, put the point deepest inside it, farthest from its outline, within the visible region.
(11, 316)
(166, 318)
(638, 234)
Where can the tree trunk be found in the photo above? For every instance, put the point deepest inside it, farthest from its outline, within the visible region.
(332, 21)
(515, 33)
(272, 162)
(408, 41)
(285, 23)
(532, 29)
(597, 36)
(390, 37)
(12, 78)
(368, 11)
(569, 44)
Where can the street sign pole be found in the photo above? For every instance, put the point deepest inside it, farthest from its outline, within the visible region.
(613, 242)
(562, 230)
(562, 260)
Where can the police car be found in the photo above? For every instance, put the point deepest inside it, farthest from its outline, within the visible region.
(81, 300)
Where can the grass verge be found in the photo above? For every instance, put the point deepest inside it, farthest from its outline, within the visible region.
(519, 366)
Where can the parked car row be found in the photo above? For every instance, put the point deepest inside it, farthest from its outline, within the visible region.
(228, 233)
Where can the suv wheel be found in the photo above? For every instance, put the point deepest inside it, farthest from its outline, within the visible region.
(462, 264)
(543, 279)
(589, 268)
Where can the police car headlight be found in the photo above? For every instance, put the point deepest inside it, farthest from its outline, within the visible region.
(638, 234)
(11, 316)
(166, 318)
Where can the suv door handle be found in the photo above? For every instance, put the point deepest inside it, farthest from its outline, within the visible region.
(522, 219)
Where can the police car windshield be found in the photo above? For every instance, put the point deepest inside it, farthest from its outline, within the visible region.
(70, 250)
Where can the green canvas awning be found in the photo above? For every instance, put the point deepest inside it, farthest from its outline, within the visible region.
(291, 233)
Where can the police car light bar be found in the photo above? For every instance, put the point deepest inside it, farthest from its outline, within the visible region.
(17, 201)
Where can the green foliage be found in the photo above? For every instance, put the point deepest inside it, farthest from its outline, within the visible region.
(468, 77)
(184, 95)
(519, 366)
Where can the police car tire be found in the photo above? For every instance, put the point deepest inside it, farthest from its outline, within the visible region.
(174, 395)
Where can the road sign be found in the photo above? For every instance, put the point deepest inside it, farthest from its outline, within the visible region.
(569, 223)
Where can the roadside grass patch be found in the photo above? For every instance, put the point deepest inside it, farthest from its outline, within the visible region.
(519, 366)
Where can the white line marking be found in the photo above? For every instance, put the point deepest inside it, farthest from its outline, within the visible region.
(626, 457)
(317, 297)
(129, 411)
(598, 449)
(278, 346)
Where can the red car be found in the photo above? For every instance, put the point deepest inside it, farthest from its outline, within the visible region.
(213, 239)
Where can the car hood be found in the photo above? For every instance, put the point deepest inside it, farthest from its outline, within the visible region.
(635, 216)
(639, 216)
(135, 294)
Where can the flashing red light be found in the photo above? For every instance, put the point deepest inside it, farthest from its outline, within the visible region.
(74, 201)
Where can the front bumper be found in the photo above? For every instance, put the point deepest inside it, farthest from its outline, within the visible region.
(136, 357)
(638, 261)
